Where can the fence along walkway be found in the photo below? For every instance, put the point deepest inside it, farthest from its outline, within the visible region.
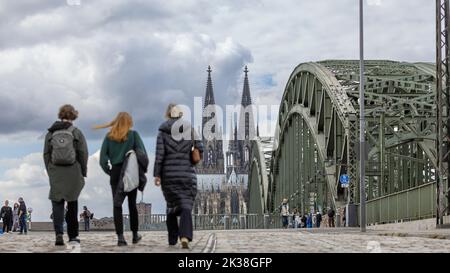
(157, 222)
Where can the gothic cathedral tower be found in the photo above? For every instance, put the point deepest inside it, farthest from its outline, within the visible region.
(213, 159)
(238, 155)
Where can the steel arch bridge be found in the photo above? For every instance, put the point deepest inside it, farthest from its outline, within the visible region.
(317, 141)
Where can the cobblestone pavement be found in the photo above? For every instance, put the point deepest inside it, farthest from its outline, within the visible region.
(243, 241)
(327, 241)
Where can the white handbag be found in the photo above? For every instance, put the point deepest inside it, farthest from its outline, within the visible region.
(131, 174)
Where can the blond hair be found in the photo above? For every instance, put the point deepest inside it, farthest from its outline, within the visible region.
(120, 127)
(173, 111)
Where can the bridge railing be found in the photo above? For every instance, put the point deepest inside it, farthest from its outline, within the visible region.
(157, 222)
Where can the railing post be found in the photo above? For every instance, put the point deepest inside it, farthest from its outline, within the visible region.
(243, 222)
(266, 221)
(225, 222)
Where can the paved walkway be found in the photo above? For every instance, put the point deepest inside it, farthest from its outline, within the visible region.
(246, 241)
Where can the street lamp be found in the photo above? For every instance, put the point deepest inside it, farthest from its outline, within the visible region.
(362, 186)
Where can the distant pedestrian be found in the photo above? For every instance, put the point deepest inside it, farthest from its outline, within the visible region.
(298, 220)
(309, 221)
(284, 210)
(304, 219)
(22, 217)
(294, 212)
(15, 217)
(65, 158)
(86, 215)
(6, 214)
(318, 219)
(331, 214)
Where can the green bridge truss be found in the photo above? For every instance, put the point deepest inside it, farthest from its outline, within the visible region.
(317, 141)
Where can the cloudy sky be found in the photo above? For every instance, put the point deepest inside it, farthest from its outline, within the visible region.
(106, 56)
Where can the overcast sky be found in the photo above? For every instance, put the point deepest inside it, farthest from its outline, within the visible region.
(106, 56)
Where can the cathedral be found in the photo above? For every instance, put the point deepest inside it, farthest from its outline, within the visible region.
(223, 177)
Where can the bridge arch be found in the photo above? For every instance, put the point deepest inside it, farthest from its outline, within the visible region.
(317, 136)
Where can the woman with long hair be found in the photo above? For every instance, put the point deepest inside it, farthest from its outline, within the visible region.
(117, 143)
(174, 171)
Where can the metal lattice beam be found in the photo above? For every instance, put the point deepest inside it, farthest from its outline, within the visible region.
(443, 103)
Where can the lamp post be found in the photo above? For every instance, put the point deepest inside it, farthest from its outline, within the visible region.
(362, 184)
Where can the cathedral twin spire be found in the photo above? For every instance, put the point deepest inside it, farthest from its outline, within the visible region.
(236, 156)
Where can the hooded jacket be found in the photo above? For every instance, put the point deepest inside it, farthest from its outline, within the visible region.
(173, 165)
(66, 182)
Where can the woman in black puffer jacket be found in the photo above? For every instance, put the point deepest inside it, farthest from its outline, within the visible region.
(176, 175)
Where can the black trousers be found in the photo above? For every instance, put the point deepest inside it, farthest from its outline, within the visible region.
(185, 228)
(71, 218)
(7, 224)
(117, 211)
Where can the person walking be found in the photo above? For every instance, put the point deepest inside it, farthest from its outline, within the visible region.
(86, 215)
(22, 216)
(284, 210)
(119, 143)
(318, 219)
(304, 220)
(294, 213)
(177, 152)
(331, 214)
(15, 217)
(6, 214)
(297, 220)
(65, 157)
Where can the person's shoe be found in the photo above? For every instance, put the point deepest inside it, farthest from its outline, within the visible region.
(121, 240)
(20, 233)
(185, 243)
(75, 240)
(59, 240)
(136, 238)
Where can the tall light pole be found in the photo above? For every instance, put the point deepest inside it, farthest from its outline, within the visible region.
(362, 138)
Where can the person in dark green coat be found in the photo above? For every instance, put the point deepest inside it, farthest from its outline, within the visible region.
(66, 168)
(117, 143)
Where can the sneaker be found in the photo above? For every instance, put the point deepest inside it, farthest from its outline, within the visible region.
(136, 238)
(185, 243)
(59, 240)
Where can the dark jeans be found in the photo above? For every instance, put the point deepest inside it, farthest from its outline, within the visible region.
(23, 223)
(117, 212)
(7, 225)
(185, 228)
(285, 221)
(70, 218)
(86, 224)
(331, 222)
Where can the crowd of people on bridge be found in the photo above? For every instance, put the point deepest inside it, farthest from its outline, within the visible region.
(295, 218)
(16, 218)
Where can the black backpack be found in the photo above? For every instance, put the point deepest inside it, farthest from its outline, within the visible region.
(63, 148)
